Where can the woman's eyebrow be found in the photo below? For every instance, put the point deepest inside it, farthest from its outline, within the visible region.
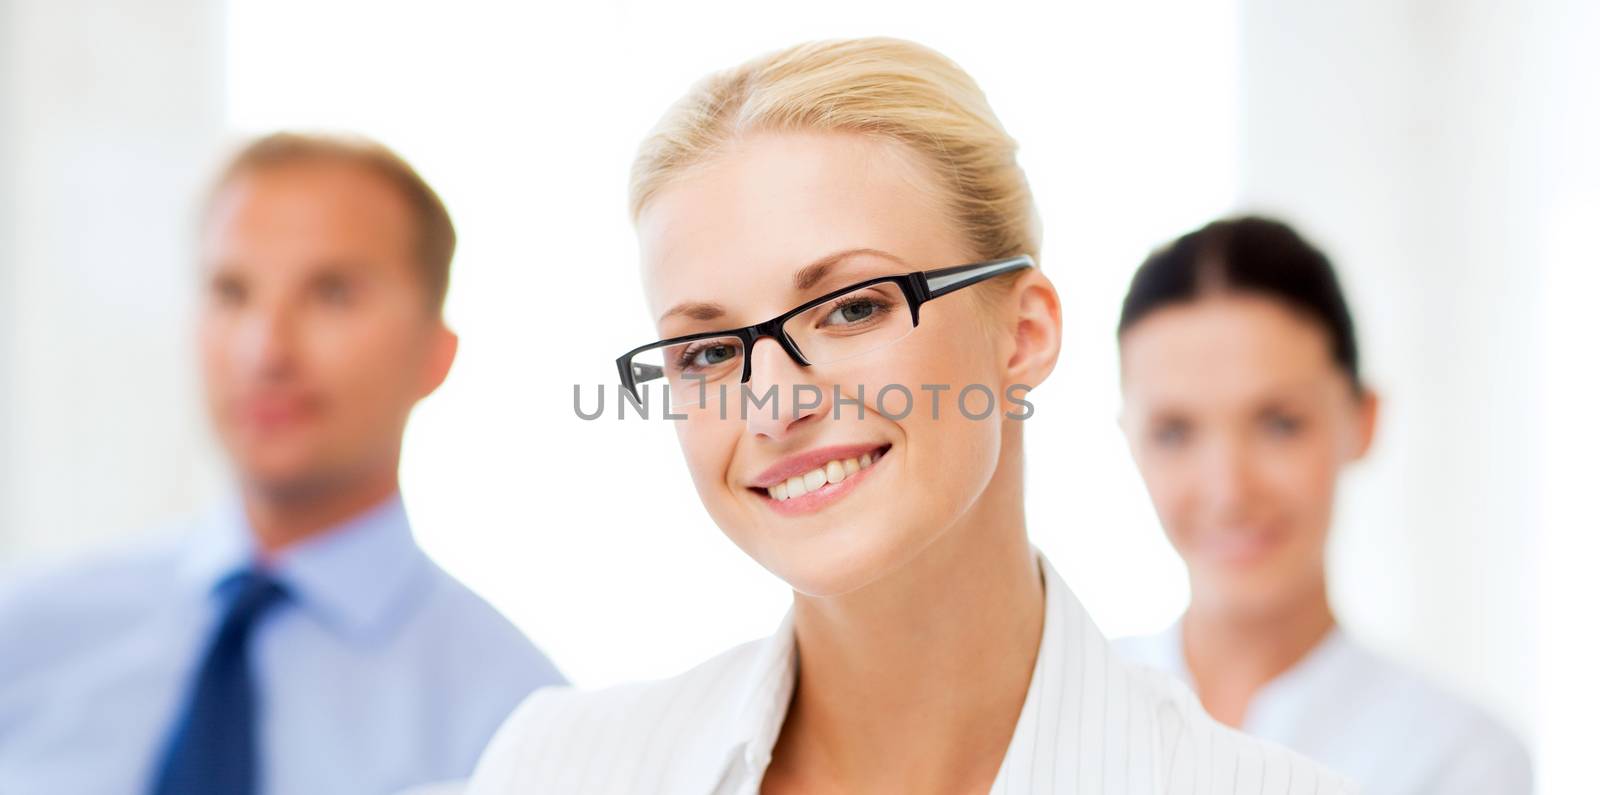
(807, 277)
(696, 310)
(804, 279)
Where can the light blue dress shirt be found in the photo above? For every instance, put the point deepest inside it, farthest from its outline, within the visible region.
(381, 671)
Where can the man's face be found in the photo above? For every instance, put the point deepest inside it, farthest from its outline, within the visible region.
(316, 336)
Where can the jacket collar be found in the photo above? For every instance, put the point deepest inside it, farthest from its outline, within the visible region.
(746, 724)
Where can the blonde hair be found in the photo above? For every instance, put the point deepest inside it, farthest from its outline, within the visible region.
(881, 87)
(435, 234)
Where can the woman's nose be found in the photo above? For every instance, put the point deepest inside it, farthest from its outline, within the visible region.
(1228, 478)
(782, 395)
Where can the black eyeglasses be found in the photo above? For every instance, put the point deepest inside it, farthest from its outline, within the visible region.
(842, 324)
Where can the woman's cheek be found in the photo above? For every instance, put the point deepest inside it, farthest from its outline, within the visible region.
(1163, 475)
(1309, 490)
(709, 453)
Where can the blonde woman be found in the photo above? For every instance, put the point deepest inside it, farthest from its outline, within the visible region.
(843, 227)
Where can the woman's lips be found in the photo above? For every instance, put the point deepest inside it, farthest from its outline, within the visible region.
(1240, 546)
(822, 485)
(801, 463)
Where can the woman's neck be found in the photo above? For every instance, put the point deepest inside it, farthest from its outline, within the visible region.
(1231, 656)
(915, 682)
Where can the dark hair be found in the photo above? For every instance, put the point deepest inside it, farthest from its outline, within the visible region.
(434, 235)
(1250, 254)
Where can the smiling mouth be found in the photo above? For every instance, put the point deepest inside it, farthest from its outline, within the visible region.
(1240, 547)
(830, 473)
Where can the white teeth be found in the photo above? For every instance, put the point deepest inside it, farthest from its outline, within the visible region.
(815, 478)
(831, 472)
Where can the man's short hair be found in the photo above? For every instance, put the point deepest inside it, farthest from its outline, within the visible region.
(435, 243)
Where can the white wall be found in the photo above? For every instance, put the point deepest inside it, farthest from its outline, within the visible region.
(1430, 146)
(113, 111)
(1559, 127)
(9, 121)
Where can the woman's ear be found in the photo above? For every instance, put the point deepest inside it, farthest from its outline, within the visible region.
(1367, 405)
(1035, 341)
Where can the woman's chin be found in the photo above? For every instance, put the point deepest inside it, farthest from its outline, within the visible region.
(1261, 594)
(835, 562)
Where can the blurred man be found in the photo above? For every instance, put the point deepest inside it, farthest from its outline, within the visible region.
(299, 642)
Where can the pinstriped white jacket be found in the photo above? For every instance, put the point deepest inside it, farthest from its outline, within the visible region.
(1091, 723)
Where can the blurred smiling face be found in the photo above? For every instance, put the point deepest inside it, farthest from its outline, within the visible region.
(1240, 422)
(827, 504)
(316, 336)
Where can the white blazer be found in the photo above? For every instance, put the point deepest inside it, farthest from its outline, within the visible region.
(1090, 724)
(1369, 719)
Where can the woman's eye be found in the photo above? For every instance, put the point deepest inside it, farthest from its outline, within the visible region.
(717, 354)
(1282, 425)
(709, 355)
(851, 312)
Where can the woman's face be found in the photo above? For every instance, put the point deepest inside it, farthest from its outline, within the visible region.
(1240, 421)
(763, 228)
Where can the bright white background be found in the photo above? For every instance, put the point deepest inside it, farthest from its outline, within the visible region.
(1441, 151)
(589, 533)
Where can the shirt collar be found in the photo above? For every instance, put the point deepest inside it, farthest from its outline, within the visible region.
(751, 722)
(1070, 647)
(1294, 692)
(1168, 650)
(1282, 696)
(768, 688)
(744, 725)
(355, 577)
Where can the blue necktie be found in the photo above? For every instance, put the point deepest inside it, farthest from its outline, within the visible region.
(213, 744)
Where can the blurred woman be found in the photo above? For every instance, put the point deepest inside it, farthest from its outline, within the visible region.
(1243, 403)
(842, 227)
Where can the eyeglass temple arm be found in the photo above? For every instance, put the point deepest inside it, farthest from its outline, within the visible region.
(646, 372)
(640, 371)
(948, 280)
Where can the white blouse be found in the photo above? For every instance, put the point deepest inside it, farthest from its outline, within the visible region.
(1089, 724)
(1369, 719)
